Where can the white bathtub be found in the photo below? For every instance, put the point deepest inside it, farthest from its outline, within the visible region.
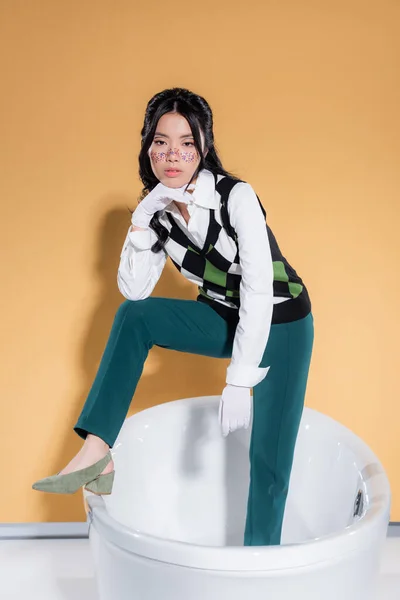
(172, 529)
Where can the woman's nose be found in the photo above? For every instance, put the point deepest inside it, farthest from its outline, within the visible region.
(173, 155)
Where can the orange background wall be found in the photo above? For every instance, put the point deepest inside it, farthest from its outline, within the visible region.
(306, 102)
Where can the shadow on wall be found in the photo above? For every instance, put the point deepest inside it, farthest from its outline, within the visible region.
(167, 375)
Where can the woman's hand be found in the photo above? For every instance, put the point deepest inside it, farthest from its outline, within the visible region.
(157, 200)
(234, 408)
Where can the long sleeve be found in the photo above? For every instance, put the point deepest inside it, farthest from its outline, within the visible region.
(256, 288)
(139, 268)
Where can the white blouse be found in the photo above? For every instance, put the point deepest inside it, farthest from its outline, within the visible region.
(140, 269)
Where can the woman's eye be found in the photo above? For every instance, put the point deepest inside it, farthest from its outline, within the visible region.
(161, 142)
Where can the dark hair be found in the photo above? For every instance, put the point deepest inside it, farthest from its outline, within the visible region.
(198, 114)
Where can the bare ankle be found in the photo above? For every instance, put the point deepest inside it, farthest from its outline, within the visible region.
(93, 441)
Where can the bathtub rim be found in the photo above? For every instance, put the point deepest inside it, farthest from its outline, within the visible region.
(355, 537)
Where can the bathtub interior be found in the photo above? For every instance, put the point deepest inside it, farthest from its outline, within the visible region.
(178, 478)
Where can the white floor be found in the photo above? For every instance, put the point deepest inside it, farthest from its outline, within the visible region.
(62, 569)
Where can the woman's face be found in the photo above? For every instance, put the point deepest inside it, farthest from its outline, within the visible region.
(173, 155)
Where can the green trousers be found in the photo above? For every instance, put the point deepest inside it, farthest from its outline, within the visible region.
(194, 327)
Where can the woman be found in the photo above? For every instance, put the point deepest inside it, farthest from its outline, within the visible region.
(252, 307)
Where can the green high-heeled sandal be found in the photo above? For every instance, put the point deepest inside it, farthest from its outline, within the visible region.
(70, 483)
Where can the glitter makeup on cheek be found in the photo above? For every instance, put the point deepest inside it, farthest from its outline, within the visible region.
(189, 156)
(158, 156)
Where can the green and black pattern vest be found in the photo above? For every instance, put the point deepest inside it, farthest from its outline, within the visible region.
(215, 268)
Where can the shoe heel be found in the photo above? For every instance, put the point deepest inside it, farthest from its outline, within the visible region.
(102, 484)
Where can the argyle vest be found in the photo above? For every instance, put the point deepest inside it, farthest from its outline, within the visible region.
(215, 268)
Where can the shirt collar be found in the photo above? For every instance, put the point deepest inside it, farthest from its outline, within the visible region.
(203, 193)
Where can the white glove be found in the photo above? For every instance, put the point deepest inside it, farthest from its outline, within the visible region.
(234, 408)
(156, 200)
